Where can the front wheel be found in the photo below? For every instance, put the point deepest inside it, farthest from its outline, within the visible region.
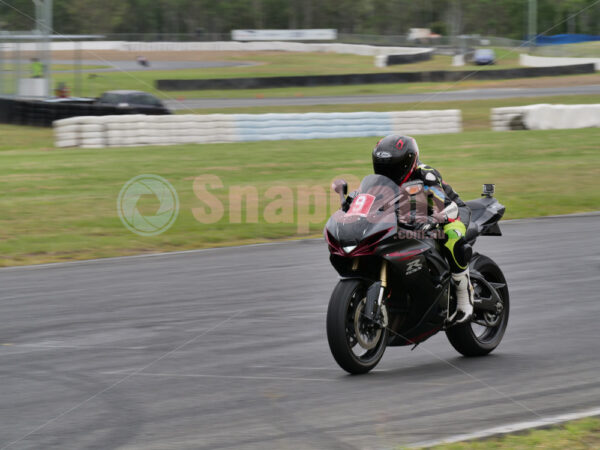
(356, 343)
(485, 331)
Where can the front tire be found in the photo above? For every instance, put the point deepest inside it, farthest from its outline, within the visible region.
(484, 332)
(356, 343)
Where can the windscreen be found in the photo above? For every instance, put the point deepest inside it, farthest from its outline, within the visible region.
(375, 193)
(371, 211)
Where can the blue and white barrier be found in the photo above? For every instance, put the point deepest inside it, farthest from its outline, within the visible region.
(140, 130)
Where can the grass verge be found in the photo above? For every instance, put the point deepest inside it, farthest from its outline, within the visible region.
(577, 435)
(61, 204)
(266, 64)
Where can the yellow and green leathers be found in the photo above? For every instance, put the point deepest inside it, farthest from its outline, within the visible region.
(458, 253)
(458, 258)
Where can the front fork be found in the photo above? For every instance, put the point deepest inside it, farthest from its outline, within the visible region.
(374, 308)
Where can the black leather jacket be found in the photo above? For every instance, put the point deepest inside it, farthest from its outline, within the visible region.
(432, 178)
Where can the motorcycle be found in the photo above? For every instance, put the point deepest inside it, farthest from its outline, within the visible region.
(395, 286)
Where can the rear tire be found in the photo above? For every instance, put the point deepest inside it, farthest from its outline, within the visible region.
(342, 322)
(464, 337)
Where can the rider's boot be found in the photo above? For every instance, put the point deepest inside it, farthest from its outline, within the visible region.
(464, 297)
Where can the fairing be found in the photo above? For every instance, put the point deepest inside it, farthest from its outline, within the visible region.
(364, 228)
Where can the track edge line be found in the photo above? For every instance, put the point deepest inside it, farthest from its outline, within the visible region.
(509, 428)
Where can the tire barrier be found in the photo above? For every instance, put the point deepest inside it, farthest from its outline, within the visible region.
(391, 60)
(545, 117)
(369, 78)
(43, 114)
(141, 130)
(507, 118)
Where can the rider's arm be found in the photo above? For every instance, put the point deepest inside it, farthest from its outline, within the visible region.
(444, 208)
(432, 176)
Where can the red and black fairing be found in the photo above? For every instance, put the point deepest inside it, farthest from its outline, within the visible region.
(417, 274)
(418, 282)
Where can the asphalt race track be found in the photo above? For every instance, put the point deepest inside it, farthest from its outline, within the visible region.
(442, 96)
(226, 349)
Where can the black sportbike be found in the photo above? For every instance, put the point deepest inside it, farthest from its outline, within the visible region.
(396, 287)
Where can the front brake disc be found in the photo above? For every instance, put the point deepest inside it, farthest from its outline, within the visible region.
(366, 331)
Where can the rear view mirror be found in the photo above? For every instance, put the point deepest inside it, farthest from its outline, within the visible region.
(341, 187)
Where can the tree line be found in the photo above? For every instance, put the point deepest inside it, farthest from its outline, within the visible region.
(505, 18)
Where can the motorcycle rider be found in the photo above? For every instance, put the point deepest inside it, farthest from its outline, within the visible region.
(397, 157)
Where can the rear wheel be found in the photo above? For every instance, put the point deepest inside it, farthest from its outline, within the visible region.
(356, 343)
(485, 331)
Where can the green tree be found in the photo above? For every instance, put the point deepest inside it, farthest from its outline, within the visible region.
(506, 18)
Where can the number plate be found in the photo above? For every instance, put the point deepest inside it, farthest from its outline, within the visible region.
(361, 205)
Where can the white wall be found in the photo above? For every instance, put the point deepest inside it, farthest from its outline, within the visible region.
(33, 87)
(545, 117)
(322, 34)
(67, 45)
(366, 50)
(548, 61)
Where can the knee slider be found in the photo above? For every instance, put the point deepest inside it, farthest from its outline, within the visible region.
(462, 252)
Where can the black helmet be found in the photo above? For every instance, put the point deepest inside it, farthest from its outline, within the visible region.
(396, 157)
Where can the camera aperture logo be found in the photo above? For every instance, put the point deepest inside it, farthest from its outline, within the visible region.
(153, 222)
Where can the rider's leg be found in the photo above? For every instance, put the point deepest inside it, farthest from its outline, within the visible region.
(458, 254)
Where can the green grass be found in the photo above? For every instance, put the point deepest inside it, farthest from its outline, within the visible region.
(577, 435)
(269, 64)
(22, 138)
(61, 204)
(475, 113)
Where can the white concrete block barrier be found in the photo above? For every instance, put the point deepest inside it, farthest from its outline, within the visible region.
(140, 130)
(545, 117)
(555, 117)
(553, 61)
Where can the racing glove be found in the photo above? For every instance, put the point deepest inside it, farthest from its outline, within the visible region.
(349, 200)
